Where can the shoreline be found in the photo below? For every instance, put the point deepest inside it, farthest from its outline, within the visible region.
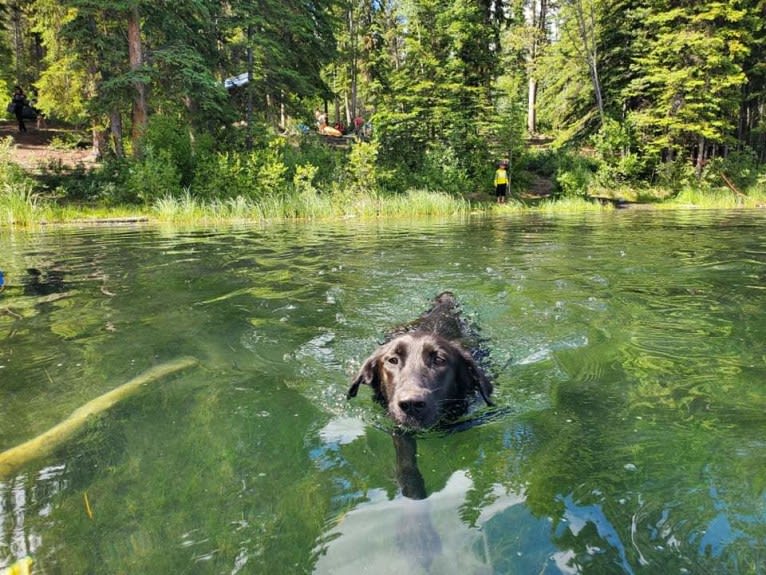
(490, 211)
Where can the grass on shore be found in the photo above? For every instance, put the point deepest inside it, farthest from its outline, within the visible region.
(21, 207)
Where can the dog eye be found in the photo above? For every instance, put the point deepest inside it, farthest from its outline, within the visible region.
(438, 359)
(393, 360)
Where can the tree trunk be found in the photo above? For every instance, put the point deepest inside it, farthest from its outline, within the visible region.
(18, 44)
(115, 125)
(700, 157)
(269, 109)
(532, 106)
(249, 118)
(351, 113)
(586, 27)
(136, 57)
(537, 22)
(597, 88)
(100, 144)
(336, 103)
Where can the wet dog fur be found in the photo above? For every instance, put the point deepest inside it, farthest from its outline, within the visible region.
(423, 374)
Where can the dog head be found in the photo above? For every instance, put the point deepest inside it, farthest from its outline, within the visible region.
(422, 378)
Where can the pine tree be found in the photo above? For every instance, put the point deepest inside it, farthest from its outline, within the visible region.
(752, 118)
(690, 76)
(440, 85)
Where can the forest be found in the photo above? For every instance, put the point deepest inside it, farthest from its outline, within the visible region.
(208, 102)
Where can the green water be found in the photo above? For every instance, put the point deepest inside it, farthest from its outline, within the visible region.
(630, 371)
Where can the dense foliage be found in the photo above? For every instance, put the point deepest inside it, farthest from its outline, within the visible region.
(658, 94)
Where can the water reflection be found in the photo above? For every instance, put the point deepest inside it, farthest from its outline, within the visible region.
(21, 499)
(39, 283)
(407, 536)
(462, 526)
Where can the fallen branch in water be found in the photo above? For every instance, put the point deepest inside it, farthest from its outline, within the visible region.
(88, 510)
(45, 443)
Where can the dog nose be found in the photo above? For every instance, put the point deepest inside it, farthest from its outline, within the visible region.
(412, 406)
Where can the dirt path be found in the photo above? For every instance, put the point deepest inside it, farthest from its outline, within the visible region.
(34, 151)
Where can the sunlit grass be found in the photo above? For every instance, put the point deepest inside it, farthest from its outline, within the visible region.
(310, 206)
(414, 202)
(170, 208)
(20, 206)
(75, 213)
(718, 198)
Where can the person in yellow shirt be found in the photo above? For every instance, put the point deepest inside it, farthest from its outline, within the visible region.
(501, 182)
(23, 567)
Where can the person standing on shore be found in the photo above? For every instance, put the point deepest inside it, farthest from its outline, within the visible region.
(501, 182)
(18, 101)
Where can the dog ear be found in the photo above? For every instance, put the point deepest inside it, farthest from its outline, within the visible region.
(479, 380)
(368, 375)
(482, 384)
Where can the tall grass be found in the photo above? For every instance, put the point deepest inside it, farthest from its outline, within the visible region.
(21, 206)
(18, 205)
(718, 198)
(18, 201)
(308, 206)
(422, 203)
(184, 208)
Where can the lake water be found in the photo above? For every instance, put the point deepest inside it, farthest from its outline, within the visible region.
(628, 357)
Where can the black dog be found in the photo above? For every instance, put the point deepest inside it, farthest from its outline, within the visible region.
(423, 374)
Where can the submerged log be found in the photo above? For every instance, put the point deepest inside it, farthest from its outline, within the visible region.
(45, 443)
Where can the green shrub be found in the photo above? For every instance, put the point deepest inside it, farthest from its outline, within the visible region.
(169, 137)
(443, 171)
(107, 183)
(68, 141)
(152, 177)
(740, 168)
(759, 188)
(573, 175)
(361, 174)
(400, 139)
(573, 180)
(617, 159)
(252, 175)
(675, 175)
(303, 180)
(11, 174)
(542, 162)
(221, 176)
(329, 161)
(268, 169)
